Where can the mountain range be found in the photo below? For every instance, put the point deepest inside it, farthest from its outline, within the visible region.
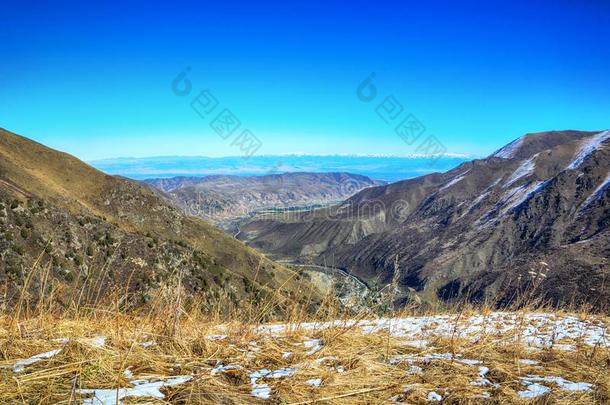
(531, 219)
(226, 200)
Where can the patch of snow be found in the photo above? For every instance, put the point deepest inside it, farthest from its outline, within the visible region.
(149, 343)
(523, 194)
(98, 341)
(150, 388)
(513, 199)
(470, 362)
(263, 391)
(20, 365)
(541, 329)
(315, 382)
(454, 181)
(561, 382)
(481, 197)
(587, 147)
(477, 200)
(529, 362)
(217, 337)
(286, 355)
(482, 380)
(599, 191)
(415, 370)
(314, 345)
(417, 343)
(220, 368)
(434, 397)
(410, 358)
(525, 169)
(534, 390)
(508, 151)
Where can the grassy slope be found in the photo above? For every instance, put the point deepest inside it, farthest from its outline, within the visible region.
(29, 169)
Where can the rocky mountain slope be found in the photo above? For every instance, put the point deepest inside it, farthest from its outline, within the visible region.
(530, 220)
(224, 200)
(87, 234)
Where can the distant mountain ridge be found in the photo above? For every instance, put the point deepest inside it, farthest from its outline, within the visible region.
(533, 215)
(226, 199)
(388, 168)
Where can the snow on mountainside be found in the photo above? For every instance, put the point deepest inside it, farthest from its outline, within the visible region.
(508, 151)
(475, 230)
(589, 146)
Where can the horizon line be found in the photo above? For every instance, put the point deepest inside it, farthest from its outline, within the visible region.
(449, 155)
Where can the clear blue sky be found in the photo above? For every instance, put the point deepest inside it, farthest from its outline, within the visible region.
(95, 79)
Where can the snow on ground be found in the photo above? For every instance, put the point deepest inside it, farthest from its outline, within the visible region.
(536, 330)
(263, 391)
(539, 330)
(509, 150)
(20, 365)
(148, 343)
(147, 388)
(587, 147)
(314, 345)
(525, 169)
(314, 382)
(535, 389)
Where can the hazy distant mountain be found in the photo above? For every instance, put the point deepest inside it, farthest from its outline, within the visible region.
(224, 199)
(388, 168)
(534, 215)
(95, 233)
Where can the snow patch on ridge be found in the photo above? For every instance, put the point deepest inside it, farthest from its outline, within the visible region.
(513, 199)
(509, 151)
(599, 191)
(525, 169)
(454, 181)
(587, 147)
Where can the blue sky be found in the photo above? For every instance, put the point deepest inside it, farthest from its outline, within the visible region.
(95, 80)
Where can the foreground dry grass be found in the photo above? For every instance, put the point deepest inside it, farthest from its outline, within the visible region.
(504, 359)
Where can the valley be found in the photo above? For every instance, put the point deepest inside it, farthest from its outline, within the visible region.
(533, 215)
(444, 287)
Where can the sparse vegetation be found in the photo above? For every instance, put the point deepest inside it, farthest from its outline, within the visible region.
(221, 357)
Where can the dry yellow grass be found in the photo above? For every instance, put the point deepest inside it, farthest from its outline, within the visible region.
(458, 355)
(355, 365)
